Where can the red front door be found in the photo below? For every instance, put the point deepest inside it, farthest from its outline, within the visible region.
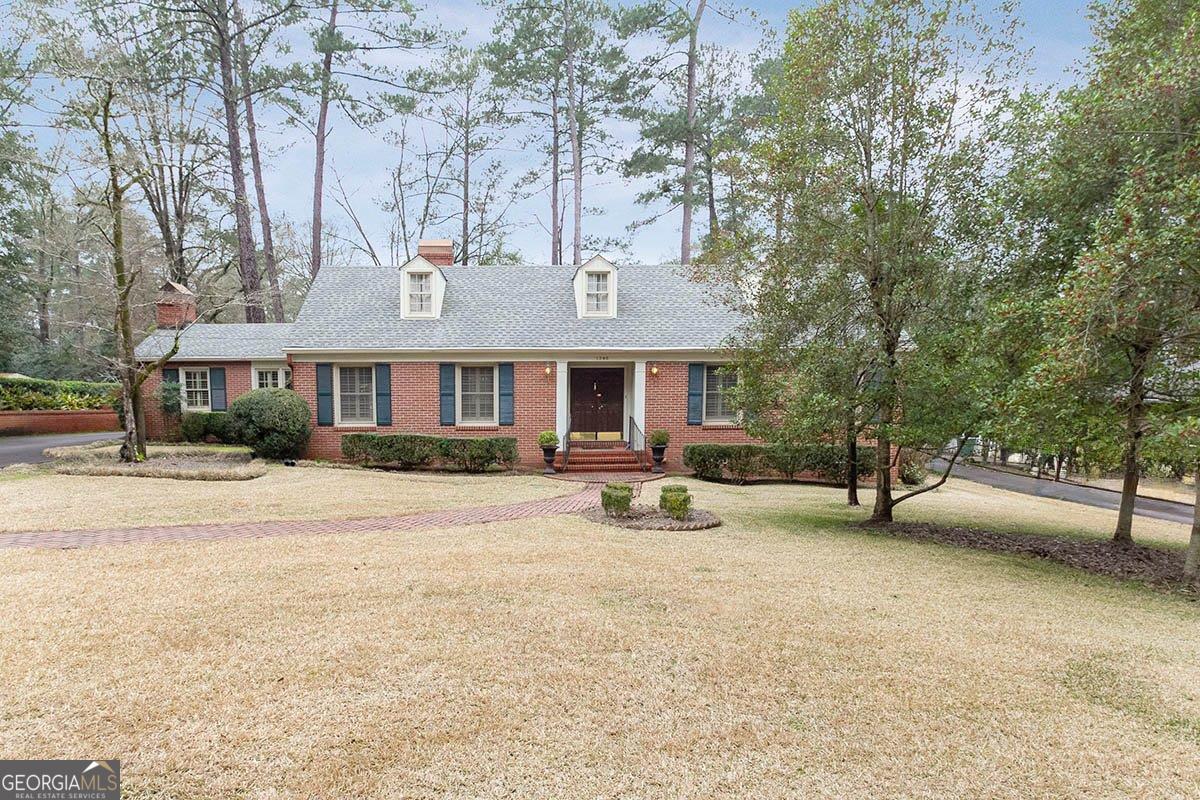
(597, 401)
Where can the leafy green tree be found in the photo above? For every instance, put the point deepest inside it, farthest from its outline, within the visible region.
(888, 132)
(1123, 186)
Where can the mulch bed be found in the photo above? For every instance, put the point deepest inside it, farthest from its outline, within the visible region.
(1162, 569)
(649, 518)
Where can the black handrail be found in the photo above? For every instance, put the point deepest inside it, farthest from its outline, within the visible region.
(637, 443)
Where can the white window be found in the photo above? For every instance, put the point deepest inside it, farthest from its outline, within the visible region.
(196, 396)
(355, 401)
(420, 293)
(718, 406)
(596, 301)
(272, 378)
(477, 395)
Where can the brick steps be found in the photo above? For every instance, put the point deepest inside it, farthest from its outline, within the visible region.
(611, 458)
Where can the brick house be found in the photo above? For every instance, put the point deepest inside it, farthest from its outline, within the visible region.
(600, 353)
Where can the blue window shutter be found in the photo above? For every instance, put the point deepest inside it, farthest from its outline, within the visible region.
(383, 394)
(446, 393)
(695, 398)
(170, 375)
(506, 394)
(216, 389)
(324, 394)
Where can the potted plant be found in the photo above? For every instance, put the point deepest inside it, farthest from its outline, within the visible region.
(658, 448)
(548, 441)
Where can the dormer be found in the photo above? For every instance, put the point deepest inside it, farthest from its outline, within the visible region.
(596, 289)
(423, 286)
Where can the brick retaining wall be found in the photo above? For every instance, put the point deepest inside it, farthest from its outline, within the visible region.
(16, 423)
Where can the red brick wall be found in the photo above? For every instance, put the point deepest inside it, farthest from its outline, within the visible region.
(13, 423)
(415, 408)
(237, 383)
(666, 408)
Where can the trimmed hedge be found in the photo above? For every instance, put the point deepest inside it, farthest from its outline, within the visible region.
(741, 461)
(677, 504)
(198, 426)
(616, 498)
(35, 394)
(670, 488)
(274, 423)
(411, 450)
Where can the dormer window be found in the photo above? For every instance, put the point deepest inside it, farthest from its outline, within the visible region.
(420, 293)
(595, 288)
(422, 290)
(597, 293)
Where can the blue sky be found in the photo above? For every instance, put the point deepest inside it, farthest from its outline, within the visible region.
(1056, 34)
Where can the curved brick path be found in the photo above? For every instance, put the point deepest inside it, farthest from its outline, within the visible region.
(586, 498)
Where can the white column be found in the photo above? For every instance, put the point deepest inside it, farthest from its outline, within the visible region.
(639, 394)
(561, 401)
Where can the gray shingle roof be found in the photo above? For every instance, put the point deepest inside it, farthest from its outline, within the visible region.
(510, 307)
(218, 340)
(527, 307)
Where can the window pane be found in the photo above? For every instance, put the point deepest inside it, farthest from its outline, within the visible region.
(355, 394)
(477, 394)
(716, 401)
(195, 385)
(420, 295)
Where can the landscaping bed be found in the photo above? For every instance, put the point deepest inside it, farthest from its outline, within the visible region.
(178, 462)
(649, 518)
(1151, 565)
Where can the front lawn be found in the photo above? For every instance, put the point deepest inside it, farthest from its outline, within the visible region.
(45, 501)
(784, 654)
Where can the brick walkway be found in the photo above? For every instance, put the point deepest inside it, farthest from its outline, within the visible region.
(586, 498)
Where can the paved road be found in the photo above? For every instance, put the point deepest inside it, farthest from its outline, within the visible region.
(1087, 495)
(28, 449)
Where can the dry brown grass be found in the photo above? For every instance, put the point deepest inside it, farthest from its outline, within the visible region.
(41, 501)
(781, 655)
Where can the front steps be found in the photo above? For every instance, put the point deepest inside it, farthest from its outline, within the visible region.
(591, 456)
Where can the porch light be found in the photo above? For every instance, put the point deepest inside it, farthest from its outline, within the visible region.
(547, 370)
(654, 370)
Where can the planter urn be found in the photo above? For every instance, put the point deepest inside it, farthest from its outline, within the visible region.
(658, 452)
(548, 453)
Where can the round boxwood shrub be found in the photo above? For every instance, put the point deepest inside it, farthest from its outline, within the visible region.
(616, 499)
(274, 423)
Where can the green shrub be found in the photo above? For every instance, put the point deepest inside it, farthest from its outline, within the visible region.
(410, 450)
(616, 498)
(274, 423)
(170, 398)
(477, 454)
(406, 451)
(741, 461)
(659, 438)
(670, 488)
(912, 467)
(547, 439)
(34, 394)
(205, 426)
(677, 504)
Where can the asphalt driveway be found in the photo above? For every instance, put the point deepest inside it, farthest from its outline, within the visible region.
(1086, 495)
(28, 449)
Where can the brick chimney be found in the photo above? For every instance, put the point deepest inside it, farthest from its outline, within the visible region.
(175, 307)
(439, 252)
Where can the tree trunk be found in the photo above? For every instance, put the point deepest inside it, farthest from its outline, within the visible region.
(139, 415)
(322, 122)
(851, 463)
(247, 263)
(43, 294)
(555, 181)
(573, 134)
(1191, 562)
(260, 190)
(466, 181)
(1134, 430)
(882, 511)
(714, 224)
(1058, 465)
(689, 138)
